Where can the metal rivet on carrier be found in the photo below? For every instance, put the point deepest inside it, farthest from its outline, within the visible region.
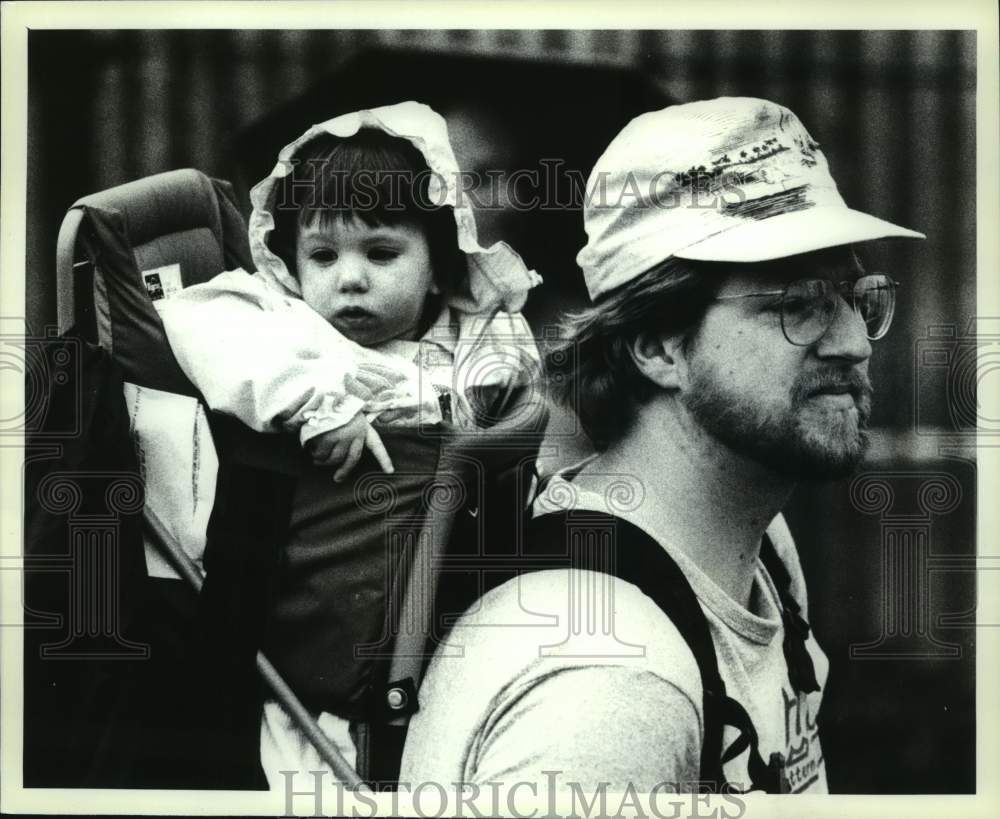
(396, 697)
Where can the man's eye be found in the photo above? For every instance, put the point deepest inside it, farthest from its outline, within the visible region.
(800, 310)
(323, 256)
(797, 306)
(383, 254)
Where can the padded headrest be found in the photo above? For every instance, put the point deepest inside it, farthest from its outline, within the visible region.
(170, 218)
(178, 218)
(165, 203)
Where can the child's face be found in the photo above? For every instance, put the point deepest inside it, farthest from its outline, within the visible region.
(370, 283)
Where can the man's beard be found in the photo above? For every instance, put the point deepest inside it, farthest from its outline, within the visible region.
(802, 439)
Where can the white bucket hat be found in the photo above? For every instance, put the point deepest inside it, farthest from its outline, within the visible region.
(734, 179)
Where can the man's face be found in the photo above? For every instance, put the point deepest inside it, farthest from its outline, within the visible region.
(799, 410)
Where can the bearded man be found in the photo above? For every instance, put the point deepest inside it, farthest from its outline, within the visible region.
(656, 634)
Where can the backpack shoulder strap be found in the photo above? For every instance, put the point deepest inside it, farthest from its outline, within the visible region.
(801, 673)
(637, 558)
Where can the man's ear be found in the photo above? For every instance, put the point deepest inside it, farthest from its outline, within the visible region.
(659, 358)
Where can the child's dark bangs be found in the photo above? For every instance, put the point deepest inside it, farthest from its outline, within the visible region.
(372, 176)
(326, 218)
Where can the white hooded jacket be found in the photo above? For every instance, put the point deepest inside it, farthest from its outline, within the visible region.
(257, 351)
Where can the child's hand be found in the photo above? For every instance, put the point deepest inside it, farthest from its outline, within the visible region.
(342, 447)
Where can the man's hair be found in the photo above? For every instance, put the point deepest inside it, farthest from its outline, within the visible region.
(372, 176)
(595, 373)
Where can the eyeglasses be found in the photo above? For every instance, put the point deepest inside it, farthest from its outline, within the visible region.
(810, 306)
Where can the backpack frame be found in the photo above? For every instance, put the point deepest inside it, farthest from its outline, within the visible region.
(106, 242)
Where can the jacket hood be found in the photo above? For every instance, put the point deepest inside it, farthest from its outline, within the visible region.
(497, 278)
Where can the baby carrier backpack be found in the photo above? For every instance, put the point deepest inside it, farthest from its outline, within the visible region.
(320, 595)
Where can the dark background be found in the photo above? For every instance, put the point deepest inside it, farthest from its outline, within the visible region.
(895, 115)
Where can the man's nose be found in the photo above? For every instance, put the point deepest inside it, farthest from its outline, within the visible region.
(846, 337)
(352, 274)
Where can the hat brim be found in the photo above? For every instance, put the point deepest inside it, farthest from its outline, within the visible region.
(789, 234)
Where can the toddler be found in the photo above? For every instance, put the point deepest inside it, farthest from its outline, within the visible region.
(372, 305)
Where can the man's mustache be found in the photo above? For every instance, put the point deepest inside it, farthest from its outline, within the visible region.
(853, 381)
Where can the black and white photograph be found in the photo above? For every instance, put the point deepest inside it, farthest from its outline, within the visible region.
(426, 412)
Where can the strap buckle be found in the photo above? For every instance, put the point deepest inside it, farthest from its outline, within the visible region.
(396, 699)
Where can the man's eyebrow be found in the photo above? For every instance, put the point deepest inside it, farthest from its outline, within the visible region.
(858, 267)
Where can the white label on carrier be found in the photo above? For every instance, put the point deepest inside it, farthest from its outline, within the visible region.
(163, 282)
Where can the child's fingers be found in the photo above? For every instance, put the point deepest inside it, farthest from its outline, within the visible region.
(374, 443)
(337, 453)
(330, 459)
(320, 449)
(351, 460)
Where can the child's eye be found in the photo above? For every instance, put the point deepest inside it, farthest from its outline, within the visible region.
(383, 254)
(323, 256)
